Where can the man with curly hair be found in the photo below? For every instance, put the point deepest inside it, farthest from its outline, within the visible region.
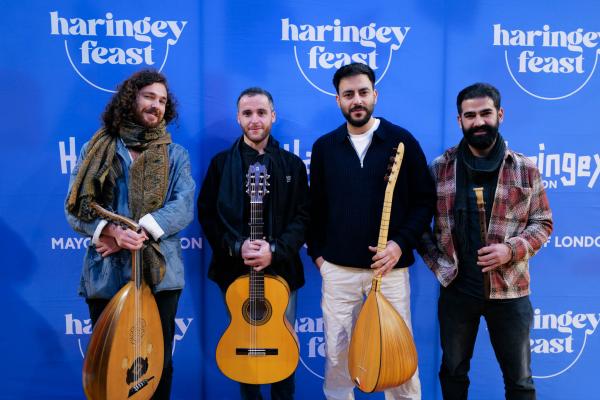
(131, 167)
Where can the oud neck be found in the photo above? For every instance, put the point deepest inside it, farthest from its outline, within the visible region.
(136, 267)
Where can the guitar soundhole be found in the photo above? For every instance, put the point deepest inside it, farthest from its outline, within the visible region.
(257, 312)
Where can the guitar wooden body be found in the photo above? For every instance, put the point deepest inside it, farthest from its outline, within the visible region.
(259, 346)
(124, 359)
(382, 353)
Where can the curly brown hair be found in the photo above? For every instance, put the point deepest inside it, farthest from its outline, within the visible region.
(122, 105)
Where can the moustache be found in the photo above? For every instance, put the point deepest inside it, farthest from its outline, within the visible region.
(484, 128)
(358, 108)
(152, 110)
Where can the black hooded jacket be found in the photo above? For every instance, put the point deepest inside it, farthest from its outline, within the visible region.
(221, 208)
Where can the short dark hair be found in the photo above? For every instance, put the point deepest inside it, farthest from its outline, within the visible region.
(122, 106)
(475, 91)
(352, 70)
(253, 91)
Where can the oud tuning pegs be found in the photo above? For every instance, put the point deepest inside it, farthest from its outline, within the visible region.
(392, 158)
(386, 177)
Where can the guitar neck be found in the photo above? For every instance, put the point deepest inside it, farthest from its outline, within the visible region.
(257, 279)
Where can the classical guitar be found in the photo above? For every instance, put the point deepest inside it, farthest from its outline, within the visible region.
(382, 352)
(124, 359)
(259, 345)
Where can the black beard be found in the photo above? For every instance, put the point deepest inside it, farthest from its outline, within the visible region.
(481, 142)
(358, 122)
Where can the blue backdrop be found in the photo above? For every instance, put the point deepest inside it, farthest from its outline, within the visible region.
(61, 61)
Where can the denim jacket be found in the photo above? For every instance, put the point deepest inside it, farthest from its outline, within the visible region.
(101, 278)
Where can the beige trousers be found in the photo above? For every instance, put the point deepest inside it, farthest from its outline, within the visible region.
(343, 293)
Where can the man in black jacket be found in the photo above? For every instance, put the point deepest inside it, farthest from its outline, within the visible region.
(224, 212)
(347, 192)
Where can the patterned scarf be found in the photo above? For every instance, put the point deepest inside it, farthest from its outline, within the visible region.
(148, 181)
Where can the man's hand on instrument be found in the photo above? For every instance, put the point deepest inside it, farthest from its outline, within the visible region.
(125, 238)
(106, 246)
(384, 262)
(319, 262)
(492, 256)
(257, 254)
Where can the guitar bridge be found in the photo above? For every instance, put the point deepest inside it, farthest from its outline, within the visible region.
(255, 352)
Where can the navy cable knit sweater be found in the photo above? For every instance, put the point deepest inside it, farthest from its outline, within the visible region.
(347, 199)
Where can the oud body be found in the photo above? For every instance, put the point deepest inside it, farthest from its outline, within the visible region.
(382, 353)
(124, 358)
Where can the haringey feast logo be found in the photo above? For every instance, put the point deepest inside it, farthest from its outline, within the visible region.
(312, 344)
(566, 169)
(566, 59)
(82, 329)
(111, 41)
(559, 340)
(321, 49)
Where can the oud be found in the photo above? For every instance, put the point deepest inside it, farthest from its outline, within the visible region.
(124, 359)
(259, 345)
(382, 352)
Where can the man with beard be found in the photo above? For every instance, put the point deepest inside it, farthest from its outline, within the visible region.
(347, 191)
(131, 167)
(224, 212)
(491, 278)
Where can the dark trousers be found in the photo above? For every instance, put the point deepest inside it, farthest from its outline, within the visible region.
(509, 323)
(282, 390)
(167, 302)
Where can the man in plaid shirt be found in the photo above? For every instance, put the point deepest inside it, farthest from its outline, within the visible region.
(490, 278)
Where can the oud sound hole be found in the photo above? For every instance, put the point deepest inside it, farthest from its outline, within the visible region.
(257, 312)
(137, 331)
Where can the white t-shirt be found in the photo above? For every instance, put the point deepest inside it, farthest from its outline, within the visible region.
(362, 141)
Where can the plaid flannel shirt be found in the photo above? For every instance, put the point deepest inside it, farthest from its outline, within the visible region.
(521, 218)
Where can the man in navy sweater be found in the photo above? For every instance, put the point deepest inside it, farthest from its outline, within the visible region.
(347, 191)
